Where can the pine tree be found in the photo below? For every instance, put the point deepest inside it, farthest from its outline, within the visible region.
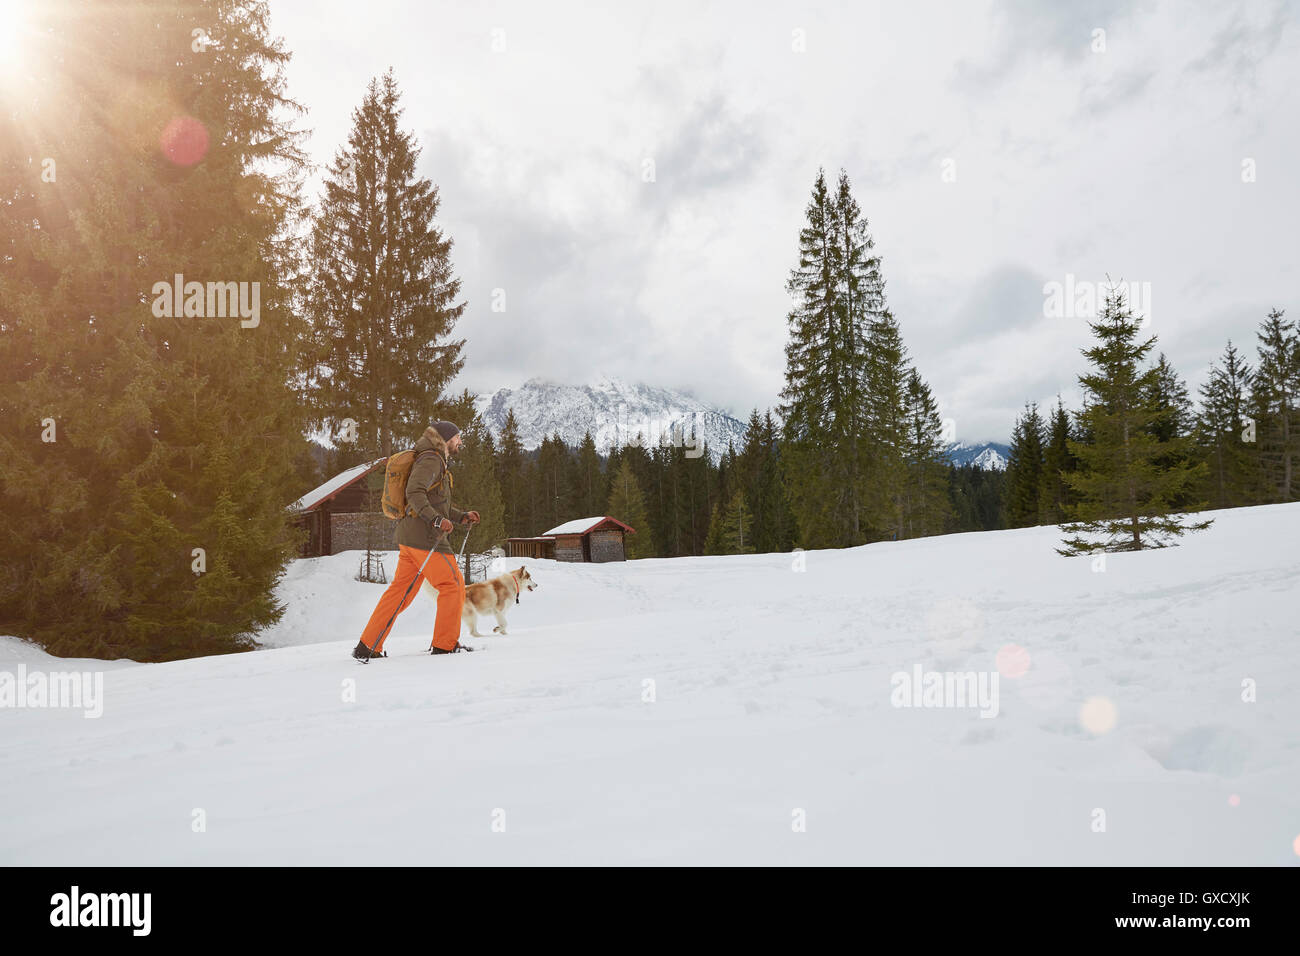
(554, 475)
(778, 530)
(926, 508)
(1276, 403)
(838, 293)
(1127, 477)
(475, 486)
(589, 480)
(1025, 470)
(730, 531)
(678, 485)
(627, 504)
(1055, 497)
(759, 473)
(152, 523)
(382, 294)
(1221, 430)
(1174, 423)
(511, 466)
(750, 465)
(886, 371)
(653, 482)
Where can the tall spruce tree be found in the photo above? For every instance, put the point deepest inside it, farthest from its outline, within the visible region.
(147, 445)
(554, 477)
(659, 499)
(627, 504)
(846, 371)
(926, 506)
(760, 474)
(475, 486)
(382, 295)
(1055, 496)
(589, 479)
(822, 398)
(777, 529)
(1222, 433)
(511, 465)
(1128, 477)
(1276, 401)
(1025, 470)
(1174, 423)
(887, 372)
(809, 390)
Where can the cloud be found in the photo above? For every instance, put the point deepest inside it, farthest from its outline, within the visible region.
(1033, 30)
(1127, 162)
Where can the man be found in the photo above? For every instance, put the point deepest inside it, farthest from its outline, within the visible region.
(425, 527)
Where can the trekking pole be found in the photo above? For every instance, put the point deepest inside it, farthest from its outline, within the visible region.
(418, 574)
(460, 555)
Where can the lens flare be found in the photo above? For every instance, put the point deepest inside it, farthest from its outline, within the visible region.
(1013, 661)
(184, 141)
(1097, 715)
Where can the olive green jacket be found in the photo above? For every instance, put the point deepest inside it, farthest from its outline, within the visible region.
(424, 501)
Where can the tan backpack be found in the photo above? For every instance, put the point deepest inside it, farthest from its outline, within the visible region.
(396, 473)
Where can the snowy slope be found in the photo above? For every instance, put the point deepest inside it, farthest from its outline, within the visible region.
(614, 411)
(772, 693)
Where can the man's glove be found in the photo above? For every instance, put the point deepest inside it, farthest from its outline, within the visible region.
(443, 525)
(469, 517)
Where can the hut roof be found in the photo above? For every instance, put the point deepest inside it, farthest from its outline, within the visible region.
(343, 479)
(585, 525)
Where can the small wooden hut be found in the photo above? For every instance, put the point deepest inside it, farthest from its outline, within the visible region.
(342, 513)
(592, 540)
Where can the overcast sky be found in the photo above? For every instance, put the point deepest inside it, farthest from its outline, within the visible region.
(991, 147)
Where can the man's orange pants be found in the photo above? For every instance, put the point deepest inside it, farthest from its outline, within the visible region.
(443, 574)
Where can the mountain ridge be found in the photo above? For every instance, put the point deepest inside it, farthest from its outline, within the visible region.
(616, 411)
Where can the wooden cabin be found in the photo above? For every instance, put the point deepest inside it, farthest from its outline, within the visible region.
(592, 540)
(342, 513)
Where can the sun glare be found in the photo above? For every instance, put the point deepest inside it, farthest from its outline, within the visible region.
(13, 30)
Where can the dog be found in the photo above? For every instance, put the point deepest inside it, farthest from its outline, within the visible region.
(493, 597)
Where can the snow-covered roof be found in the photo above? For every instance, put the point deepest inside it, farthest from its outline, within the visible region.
(583, 525)
(340, 481)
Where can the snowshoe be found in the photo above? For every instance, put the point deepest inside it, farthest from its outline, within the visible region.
(455, 650)
(363, 653)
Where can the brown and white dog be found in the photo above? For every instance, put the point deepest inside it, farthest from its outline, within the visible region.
(493, 597)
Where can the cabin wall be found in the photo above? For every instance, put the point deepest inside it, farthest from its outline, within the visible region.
(348, 532)
(607, 545)
(536, 550)
(568, 547)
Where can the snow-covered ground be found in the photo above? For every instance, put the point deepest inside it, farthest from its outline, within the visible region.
(768, 734)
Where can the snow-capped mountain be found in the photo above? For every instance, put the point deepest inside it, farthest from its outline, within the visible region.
(614, 411)
(990, 454)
